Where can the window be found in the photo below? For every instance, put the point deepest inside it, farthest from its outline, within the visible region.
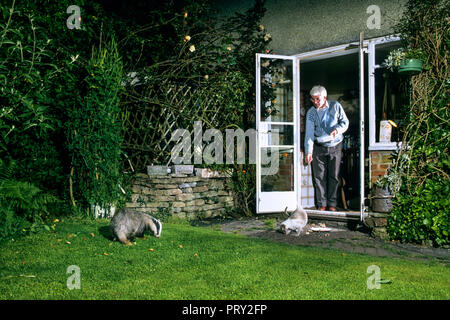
(387, 95)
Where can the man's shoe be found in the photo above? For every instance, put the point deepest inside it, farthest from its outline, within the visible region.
(322, 208)
(332, 209)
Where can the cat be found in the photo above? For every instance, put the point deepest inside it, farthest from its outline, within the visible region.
(296, 221)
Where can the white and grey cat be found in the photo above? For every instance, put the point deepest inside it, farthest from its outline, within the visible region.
(296, 221)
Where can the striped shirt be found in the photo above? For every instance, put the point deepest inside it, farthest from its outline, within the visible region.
(320, 123)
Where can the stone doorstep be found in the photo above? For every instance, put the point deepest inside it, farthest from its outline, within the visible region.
(378, 214)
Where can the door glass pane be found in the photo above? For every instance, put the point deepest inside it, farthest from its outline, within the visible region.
(277, 169)
(275, 134)
(276, 90)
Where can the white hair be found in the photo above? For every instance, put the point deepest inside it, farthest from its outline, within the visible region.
(318, 90)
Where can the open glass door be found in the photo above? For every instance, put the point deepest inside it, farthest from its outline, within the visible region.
(277, 122)
(341, 69)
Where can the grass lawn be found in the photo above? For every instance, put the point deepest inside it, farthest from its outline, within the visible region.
(201, 263)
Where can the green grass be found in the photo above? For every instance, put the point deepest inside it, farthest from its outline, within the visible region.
(201, 263)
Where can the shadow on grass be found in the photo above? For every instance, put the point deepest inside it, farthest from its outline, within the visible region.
(105, 232)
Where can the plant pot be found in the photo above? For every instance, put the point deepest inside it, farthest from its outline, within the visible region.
(410, 66)
(381, 200)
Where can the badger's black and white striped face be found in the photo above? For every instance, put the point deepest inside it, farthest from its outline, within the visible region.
(158, 226)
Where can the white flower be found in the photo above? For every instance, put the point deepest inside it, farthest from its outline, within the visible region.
(261, 27)
(187, 38)
(192, 48)
(393, 59)
(267, 37)
(74, 58)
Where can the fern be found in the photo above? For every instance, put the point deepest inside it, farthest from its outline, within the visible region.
(22, 204)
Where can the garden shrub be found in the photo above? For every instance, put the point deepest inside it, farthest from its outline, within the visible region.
(422, 218)
(31, 171)
(22, 204)
(94, 132)
(27, 122)
(421, 208)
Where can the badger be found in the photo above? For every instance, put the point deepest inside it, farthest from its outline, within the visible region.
(128, 223)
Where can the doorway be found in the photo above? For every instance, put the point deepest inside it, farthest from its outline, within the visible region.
(282, 100)
(340, 76)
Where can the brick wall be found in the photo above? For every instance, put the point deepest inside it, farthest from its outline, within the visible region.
(380, 163)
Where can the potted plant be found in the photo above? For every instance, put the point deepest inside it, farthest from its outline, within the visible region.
(412, 62)
(386, 187)
(408, 61)
(382, 195)
(392, 61)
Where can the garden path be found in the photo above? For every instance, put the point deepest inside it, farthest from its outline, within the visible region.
(339, 237)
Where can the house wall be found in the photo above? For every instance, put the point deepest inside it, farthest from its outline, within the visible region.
(303, 25)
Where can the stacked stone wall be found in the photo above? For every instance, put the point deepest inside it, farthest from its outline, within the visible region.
(204, 194)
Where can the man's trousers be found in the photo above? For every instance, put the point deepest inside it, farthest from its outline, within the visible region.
(326, 165)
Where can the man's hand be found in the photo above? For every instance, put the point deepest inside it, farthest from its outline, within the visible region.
(333, 134)
(308, 158)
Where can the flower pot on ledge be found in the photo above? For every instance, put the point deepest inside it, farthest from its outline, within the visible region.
(410, 66)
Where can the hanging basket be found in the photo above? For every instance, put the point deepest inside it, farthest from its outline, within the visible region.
(410, 66)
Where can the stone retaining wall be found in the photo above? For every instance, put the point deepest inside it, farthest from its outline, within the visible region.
(204, 194)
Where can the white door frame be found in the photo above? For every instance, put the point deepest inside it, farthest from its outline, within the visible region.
(277, 201)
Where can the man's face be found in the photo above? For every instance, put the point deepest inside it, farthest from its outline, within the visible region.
(318, 101)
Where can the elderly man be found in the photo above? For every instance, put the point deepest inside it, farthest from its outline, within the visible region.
(325, 124)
